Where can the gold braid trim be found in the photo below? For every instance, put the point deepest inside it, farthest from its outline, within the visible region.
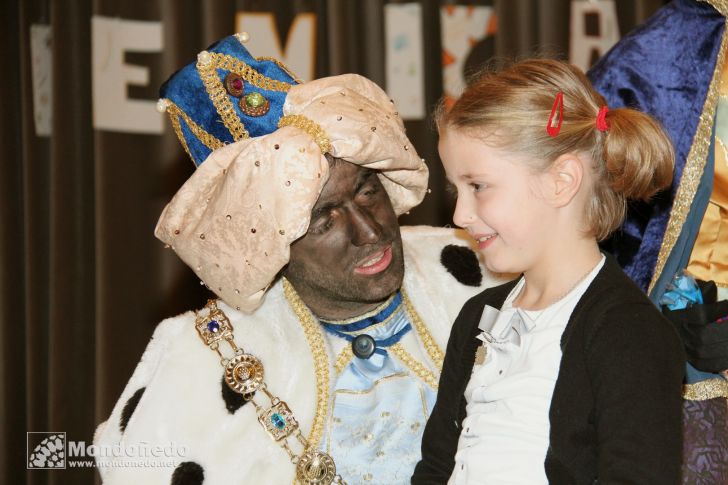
(423, 372)
(207, 65)
(282, 66)
(433, 350)
(230, 63)
(693, 170)
(175, 113)
(309, 126)
(315, 339)
(704, 390)
(343, 359)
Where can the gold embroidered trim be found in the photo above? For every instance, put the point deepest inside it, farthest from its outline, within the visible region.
(315, 339)
(175, 113)
(398, 375)
(343, 359)
(423, 372)
(720, 5)
(282, 66)
(433, 350)
(693, 170)
(704, 390)
(309, 126)
(207, 65)
(230, 63)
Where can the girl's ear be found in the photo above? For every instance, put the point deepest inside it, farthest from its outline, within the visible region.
(566, 175)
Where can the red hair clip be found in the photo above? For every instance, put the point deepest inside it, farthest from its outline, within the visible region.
(558, 103)
(602, 124)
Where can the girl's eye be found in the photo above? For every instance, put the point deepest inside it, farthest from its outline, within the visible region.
(477, 187)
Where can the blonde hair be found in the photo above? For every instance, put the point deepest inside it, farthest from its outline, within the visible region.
(632, 159)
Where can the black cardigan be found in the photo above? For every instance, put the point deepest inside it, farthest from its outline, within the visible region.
(616, 409)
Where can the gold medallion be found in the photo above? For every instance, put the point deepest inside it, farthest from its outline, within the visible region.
(315, 468)
(244, 374)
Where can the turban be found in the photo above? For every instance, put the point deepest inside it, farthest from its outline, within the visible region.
(259, 137)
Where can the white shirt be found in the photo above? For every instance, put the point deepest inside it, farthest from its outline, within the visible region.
(505, 435)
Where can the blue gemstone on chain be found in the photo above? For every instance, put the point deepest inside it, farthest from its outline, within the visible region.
(213, 326)
(278, 421)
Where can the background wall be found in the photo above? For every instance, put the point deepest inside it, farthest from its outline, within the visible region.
(83, 178)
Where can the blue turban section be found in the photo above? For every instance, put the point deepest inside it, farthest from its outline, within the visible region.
(186, 89)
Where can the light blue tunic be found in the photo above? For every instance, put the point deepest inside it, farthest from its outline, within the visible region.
(379, 406)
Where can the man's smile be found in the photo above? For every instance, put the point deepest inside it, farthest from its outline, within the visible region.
(375, 263)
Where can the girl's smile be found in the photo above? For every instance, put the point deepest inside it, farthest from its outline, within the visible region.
(498, 201)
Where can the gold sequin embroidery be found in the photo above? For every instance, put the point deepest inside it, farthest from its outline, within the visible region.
(707, 389)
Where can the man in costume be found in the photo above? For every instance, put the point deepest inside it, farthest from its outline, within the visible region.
(320, 360)
(674, 68)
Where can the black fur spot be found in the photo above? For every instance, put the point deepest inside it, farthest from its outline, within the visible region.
(233, 400)
(129, 408)
(462, 263)
(188, 473)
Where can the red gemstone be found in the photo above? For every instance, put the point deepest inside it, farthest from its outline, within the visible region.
(238, 83)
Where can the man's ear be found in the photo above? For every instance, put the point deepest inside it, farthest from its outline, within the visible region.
(566, 175)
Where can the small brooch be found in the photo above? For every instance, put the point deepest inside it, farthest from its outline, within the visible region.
(481, 354)
(234, 84)
(254, 104)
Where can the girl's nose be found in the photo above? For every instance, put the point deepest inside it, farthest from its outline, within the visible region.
(463, 215)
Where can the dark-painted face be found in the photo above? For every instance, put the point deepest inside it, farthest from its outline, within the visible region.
(350, 259)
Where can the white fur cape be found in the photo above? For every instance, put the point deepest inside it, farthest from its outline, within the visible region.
(182, 410)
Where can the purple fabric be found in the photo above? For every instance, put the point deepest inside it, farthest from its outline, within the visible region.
(663, 68)
(705, 442)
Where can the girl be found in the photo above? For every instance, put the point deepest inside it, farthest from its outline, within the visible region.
(568, 374)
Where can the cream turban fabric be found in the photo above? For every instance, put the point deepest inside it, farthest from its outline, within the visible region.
(234, 220)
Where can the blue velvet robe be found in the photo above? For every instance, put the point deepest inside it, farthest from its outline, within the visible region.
(668, 67)
(665, 68)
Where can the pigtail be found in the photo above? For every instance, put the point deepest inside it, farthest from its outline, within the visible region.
(631, 155)
(638, 155)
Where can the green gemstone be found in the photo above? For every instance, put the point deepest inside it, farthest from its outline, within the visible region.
(254, 100)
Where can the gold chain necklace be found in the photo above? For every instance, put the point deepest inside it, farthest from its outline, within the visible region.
(244, 374)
